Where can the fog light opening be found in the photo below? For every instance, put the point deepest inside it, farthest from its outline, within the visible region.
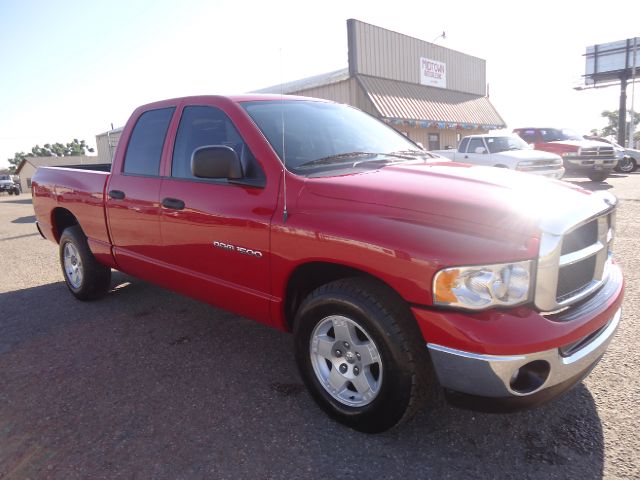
(530, 377)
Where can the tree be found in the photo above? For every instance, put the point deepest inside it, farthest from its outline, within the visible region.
(70, 149)
(612, 128)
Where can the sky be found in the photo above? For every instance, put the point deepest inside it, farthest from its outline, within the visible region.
(70, 69)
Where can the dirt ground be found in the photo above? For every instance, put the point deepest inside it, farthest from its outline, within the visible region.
(146, 383)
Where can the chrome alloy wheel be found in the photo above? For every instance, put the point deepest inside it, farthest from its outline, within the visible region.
(626, 165)
(73, 265)
(346, 361)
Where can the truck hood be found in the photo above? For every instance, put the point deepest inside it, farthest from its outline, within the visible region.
(528, 155)
(6, 182)
(575, 144)
(501, 199)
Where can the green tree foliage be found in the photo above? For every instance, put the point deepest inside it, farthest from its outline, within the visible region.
(612, 128)
(70, 149)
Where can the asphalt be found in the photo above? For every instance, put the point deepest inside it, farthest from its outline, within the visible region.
(146, 383)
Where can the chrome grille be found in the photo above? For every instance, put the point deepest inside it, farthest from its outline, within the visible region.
(573, 259)
(580, 237)
(596, 152)
(573, 277)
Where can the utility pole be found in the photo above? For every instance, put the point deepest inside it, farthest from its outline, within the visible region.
(632, 124)
(622, 112)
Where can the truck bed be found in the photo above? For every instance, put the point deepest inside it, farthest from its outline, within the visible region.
(81, 189)
(96, 167)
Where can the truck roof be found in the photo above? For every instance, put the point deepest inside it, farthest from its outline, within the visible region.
(248, 97)
(540, 128)
(484, 135)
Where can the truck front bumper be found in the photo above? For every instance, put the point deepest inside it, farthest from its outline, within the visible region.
(576, 165)
(507, 378)
(497, 382)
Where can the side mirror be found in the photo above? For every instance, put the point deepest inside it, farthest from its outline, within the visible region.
(216, 161)
(480, 150)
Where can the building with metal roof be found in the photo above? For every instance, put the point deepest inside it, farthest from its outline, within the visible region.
(432, 94)
(107, 143)
(26, 169)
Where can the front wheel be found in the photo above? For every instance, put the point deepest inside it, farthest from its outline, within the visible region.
(361, 354)
(598, 176)
(626, 165)
(85, 277)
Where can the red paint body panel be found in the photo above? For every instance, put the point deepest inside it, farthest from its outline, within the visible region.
(400, 224)
(81, 192)
(509, 332)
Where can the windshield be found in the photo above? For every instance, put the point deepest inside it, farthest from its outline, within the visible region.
(4, 177)
(319, 134)
(557, 134)
(506, 143)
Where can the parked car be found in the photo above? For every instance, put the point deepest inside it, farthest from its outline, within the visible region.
(593, 159)
(628, 158)
(505, 151)
(9, 184)
(400, 274)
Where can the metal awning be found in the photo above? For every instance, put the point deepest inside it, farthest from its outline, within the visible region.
(422, 106)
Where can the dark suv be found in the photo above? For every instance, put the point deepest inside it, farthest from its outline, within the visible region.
(7, 184)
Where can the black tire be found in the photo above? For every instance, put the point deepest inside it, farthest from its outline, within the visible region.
(404, 374)
(598, 176)
(627, 165)
(94, 279)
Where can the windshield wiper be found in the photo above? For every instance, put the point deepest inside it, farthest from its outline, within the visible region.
(410, 154)
(336, 158)
(346, 157)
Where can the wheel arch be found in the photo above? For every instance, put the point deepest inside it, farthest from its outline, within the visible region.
(62, 218)
(308, 276)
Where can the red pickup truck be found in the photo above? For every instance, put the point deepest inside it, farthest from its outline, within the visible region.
(595, 160)
(401, 274)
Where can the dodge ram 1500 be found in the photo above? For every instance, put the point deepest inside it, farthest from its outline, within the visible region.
(400, 274)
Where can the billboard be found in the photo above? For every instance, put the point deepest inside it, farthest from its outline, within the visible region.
(609, 62)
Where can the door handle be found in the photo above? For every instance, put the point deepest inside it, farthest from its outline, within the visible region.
(116, 194)
(173, 203)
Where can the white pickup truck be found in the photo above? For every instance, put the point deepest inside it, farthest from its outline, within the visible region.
(505, 151)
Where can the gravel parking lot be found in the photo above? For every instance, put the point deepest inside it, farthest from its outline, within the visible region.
(146, 383)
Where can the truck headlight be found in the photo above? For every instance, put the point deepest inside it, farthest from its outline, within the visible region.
(483, 286)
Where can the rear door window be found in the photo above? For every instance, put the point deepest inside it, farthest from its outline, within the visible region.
(145, 145)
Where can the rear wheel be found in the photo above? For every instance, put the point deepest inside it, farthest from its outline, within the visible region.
(598, 176)
(361, 354)
(85, 277)
(627, 165)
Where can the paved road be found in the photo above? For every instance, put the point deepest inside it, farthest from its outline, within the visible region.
(149, 384)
